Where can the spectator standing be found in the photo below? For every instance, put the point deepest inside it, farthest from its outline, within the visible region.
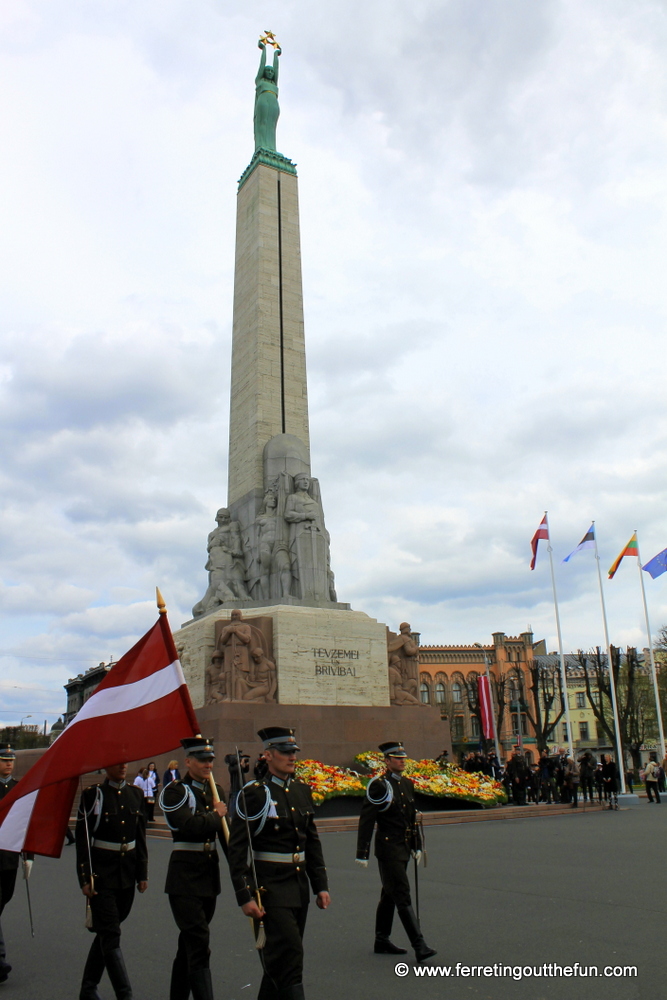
(629, 779)
(662, 781)
(610, 781)
(651, 779)
(586, 771)
(572, 778)
(261, 768)
(236, 778)
(141, 782)
(171, 774)
(546, 777)
(518, 776)
(153, 780)
(598, 781)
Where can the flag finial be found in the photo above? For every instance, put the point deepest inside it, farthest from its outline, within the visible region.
(161, 606)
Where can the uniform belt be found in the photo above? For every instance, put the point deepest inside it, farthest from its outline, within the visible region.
(186, 845)
(281, 859)
(109, 845)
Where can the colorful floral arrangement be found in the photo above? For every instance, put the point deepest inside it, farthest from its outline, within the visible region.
(328, 782)
(429, 778)
(441, 780)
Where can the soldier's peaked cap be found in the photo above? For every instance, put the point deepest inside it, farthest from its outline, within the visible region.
(7, 752)
(394, 748)
(198, 747)
(278, 738)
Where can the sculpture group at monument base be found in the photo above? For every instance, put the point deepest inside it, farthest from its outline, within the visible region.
(286, 654)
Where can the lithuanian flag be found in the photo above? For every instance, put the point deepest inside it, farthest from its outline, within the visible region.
(631, 549)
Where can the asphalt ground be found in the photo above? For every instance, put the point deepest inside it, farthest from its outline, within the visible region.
(586, 888)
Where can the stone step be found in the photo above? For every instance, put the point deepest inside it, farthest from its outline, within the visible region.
(349, 824)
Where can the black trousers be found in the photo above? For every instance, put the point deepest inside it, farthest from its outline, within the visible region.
(587, 788)
(652, 787)
(282, 955)
(7, 884)
(192, 914)
(395, 893)
(109, 908)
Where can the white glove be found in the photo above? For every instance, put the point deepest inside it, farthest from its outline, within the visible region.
(361, 862)
(417, 855)
(27, 867)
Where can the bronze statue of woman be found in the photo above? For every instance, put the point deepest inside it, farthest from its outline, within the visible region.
(266, 100)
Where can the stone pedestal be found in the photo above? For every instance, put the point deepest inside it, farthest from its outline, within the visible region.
(324, 656)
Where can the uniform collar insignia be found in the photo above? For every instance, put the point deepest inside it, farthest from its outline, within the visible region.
(6, 779)
(279, 781)
(117, 784)
(199, 784)
(396, 777)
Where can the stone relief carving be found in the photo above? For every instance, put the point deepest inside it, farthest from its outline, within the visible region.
(242, 668)
(279, 546)
(403, 666)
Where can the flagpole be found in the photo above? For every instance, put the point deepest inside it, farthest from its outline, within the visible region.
(614, 704)
(656, 691)
(563, 676)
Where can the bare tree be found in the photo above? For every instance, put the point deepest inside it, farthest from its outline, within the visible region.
(546, 691)
(594, 666)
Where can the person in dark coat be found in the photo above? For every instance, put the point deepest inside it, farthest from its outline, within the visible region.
(236, 777)
(196, 822)
(610, 780)
(9, 860)
(390, 803)
(110, 834)
(518, 774)
(288, 863)
(171, 774)
(586, 771)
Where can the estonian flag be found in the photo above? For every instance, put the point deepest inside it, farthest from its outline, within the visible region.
(587, 542)
(657, 565)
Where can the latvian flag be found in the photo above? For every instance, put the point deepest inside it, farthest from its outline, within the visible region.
(141, 708)
(485, 706)
(542, 532)
(587, 542)
(631, 549)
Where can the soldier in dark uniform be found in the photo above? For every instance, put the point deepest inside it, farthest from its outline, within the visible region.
(9, 860)
(110, 833)
(287, 855)
(390, 802)
(193, 877)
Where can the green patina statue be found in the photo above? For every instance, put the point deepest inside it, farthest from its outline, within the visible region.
(266, 98)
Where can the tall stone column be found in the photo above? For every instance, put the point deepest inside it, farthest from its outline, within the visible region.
(269, 395)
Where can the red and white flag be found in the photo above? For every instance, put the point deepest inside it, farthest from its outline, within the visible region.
(541, 533)
(142, 708)
(485, 706)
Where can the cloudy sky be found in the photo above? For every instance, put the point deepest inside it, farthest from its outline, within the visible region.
(483, 193)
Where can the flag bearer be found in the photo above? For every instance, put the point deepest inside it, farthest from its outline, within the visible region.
(390, 802)
(111, 859)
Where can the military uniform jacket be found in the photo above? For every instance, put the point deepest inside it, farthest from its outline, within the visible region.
(115, 816)
(397, 831)
(188, 809)
(282, 822)
(8, 859)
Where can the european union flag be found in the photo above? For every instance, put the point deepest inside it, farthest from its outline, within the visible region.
(657, 565)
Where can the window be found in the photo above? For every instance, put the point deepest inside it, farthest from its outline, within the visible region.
(474, 726)
(456, 693)
(583, 730)
(565, 732)
(425, 693)
(515, 725)
(440, 693)
(457, 727)
(581, 700)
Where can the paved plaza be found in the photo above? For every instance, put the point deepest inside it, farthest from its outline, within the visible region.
(587, 888)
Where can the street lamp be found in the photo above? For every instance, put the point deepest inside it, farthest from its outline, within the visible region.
(23, 720)
(478, 645)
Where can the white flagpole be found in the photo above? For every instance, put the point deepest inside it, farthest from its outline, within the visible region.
(617, 727)
(656, 691)
(563, 675)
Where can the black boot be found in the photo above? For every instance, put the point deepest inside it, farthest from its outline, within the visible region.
(201, 984)
(267, 989)
(414, 932)
(92, 972)
(118, 974)
(384, 918)
(294, 992)
(179, 988)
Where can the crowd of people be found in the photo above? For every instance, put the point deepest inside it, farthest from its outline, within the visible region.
(559, 777)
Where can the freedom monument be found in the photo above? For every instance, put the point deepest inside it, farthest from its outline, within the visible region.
(269, 628)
